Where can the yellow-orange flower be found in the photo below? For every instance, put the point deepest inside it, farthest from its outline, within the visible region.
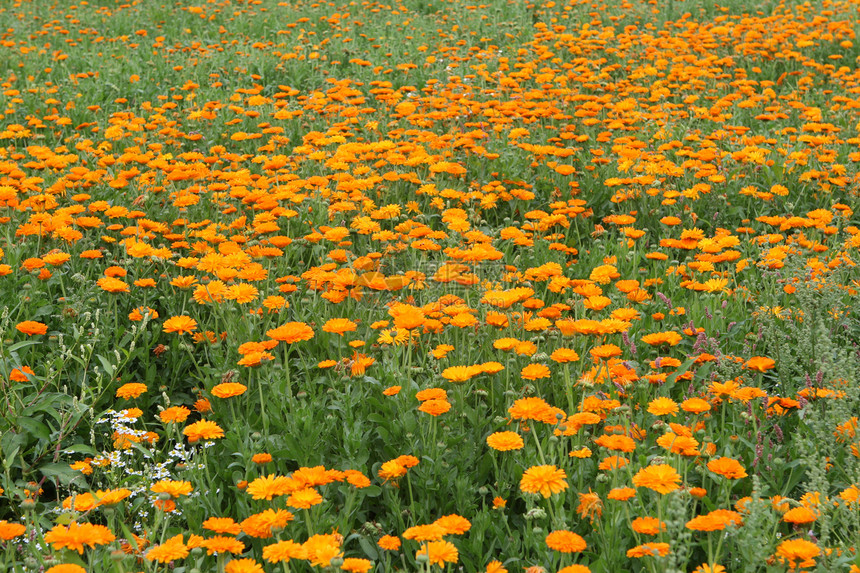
(661, 478)
(545, 480)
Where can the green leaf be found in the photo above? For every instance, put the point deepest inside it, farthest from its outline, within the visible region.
(35, 428)
(60, 471)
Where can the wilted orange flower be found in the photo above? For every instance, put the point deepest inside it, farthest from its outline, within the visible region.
(590, 505)
(545, 480)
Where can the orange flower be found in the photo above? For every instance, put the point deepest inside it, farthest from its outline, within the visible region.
(545, 480)
(180, 324)
(727, 467)
(174, 414)
(130, 390)
(648, 525)
(716, 520)
(535, 372)
(11, 530)
(75, 536)
(798, 550)
(505, 441)
(203, 430)
(389, 542)
(291, 332)
(760, 363)
(590, 505)
(172, 488)
(662, 406)
(31, 327)
(606, 351)
(649, 550)
(565, 541)
(439, 552)
(228, 390)
(339, 326)
(661, 478)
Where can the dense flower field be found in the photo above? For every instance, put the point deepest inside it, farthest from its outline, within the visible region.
(551, 286)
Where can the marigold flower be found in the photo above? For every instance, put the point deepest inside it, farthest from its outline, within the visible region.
(66, 568)
(535, 372)
(243, 566)
(716, 520)
(798, 552)
(173, 488)
(228, 390)
(131, 390)
(545, 480)
(31, 327)
(799, 515)
(291, 332)
(435, 407)
(453, 524)
(180, 324)
(11, 530)
(662, 406)
(203, 430)
(339, 326)
(283, 551)
(304, 498)
(430, 532)
(727, 467)
(661, 478)
(621, 493)
(356, 565)
(176, 414)
(222, 525)
(439, 552)
(760, 363)
(75, 536)
(171, 550)
(649, 550)
(565, 541)
(648, 525)
(505, 441)
(223, 544)
(389, 542)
